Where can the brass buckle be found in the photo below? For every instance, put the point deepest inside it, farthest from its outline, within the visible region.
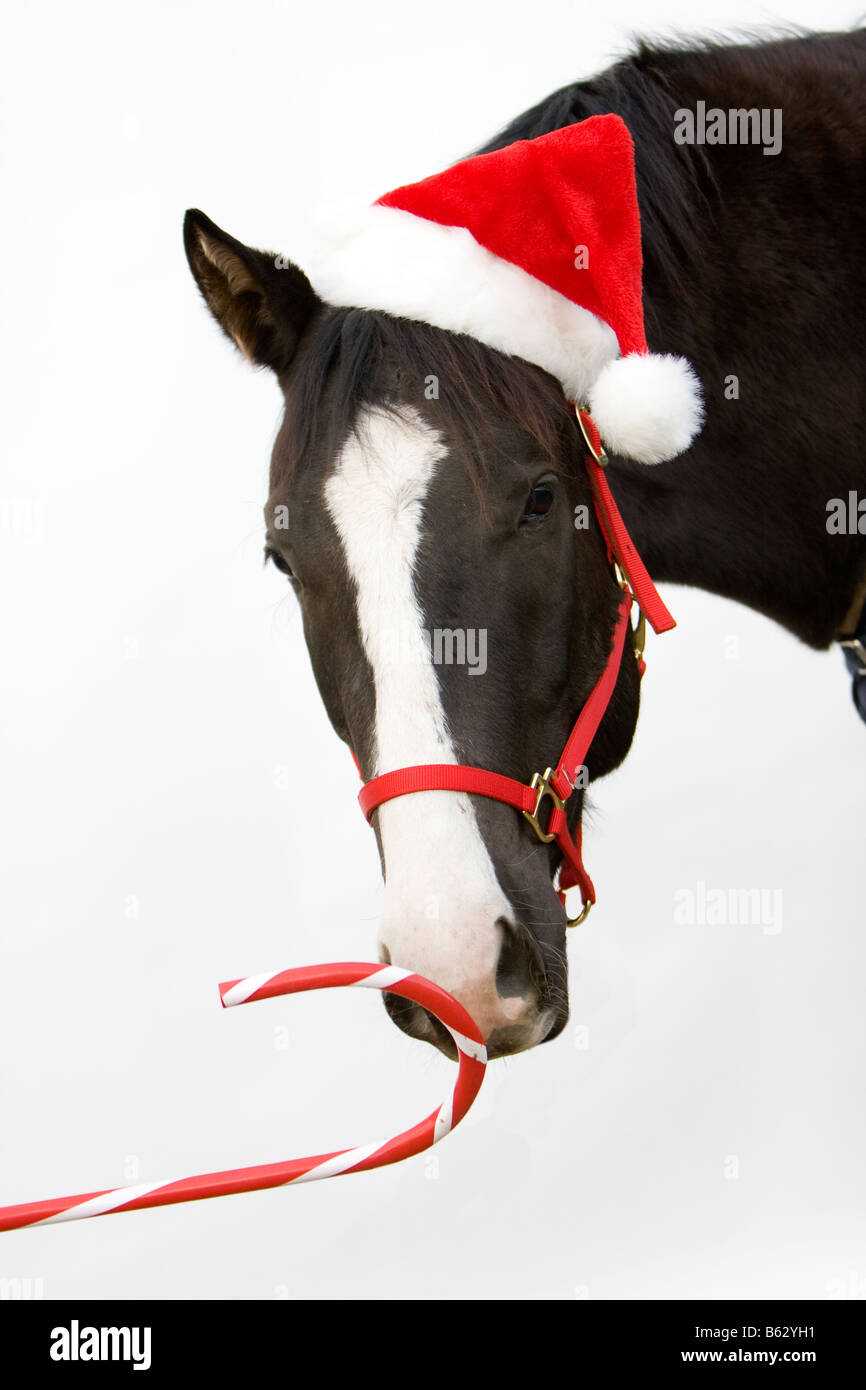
(638, 632)
(541, 784)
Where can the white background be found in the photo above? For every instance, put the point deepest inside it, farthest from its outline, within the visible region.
(177, 811)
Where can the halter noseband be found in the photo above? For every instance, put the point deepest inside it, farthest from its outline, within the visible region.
(556, 784)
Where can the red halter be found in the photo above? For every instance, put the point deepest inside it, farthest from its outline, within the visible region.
(556, 784)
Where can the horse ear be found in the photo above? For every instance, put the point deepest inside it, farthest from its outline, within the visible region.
(260, 300)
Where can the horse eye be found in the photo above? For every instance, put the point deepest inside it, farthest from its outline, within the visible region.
(539, 503)
(282, 565)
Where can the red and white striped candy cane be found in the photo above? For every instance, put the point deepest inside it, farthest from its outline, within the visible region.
(472, 1057)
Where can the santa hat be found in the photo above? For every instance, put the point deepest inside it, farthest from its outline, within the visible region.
(535, 250)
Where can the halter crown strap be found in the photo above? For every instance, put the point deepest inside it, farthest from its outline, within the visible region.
(620, 546)
(555, 784)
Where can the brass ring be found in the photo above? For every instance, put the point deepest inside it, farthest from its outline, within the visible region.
(581, 917)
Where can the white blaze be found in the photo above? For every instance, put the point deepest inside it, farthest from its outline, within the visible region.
(442, 897)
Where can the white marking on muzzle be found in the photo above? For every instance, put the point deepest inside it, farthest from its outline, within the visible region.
(442, 897)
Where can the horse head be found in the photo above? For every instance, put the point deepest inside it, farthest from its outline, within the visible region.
(430, 507)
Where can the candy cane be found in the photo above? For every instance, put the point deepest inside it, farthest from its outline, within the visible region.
(472, 1058)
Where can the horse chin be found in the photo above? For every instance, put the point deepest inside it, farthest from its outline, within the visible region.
(501, 1041)
(505, 1042)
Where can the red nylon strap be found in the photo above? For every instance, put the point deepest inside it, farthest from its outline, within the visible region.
(620, 545)
(572, 873)
(575, 751)
(445, 777)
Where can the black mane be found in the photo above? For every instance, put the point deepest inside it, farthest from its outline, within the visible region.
(677, 190)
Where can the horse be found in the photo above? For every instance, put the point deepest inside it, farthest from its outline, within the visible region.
(423, 483)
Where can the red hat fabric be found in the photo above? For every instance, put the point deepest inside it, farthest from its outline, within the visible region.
(535, 250)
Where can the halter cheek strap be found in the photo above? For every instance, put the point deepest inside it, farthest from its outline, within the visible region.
(556, 785)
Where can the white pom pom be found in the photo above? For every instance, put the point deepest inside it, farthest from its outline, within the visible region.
(647, 406)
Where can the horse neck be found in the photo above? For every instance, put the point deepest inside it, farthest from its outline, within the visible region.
(767, 299)
(753, 269)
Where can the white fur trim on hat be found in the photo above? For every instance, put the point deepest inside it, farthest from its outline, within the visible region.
(384, 258)
(647, 406)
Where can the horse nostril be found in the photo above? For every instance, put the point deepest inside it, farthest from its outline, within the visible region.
(414, 1020)
(516, 970)
(384, 955)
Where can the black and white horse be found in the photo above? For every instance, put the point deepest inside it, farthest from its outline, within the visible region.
(415, 513)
